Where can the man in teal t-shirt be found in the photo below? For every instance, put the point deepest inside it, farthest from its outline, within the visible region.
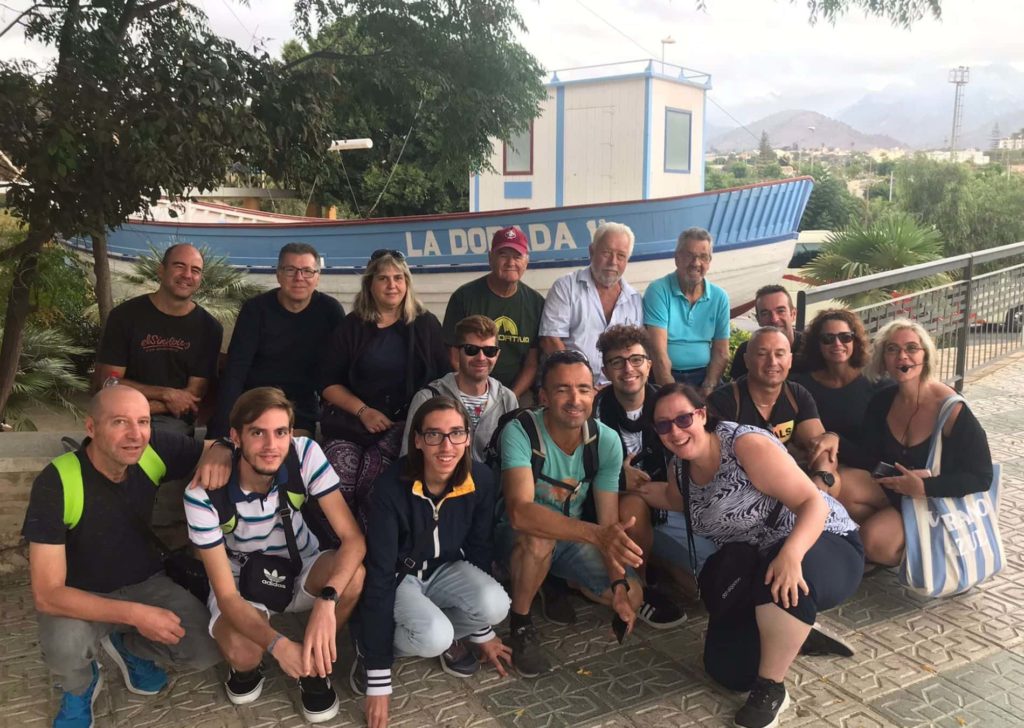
(544, 532)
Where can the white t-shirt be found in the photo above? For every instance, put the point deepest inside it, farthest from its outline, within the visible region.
(475, 406)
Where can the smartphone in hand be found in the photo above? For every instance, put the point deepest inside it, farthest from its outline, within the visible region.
(619, 627)
(884, 470)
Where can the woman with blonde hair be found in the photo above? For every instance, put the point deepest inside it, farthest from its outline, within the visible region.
(384, 351)
(898, 426)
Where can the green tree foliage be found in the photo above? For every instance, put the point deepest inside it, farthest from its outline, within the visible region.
(895, 241)
(142, 98)
(831, 206)
(430, 82)
(46, 376)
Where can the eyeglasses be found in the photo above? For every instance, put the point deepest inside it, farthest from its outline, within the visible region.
(702, 257)
(290, 271)
(635, 360)
(663, 427)
(895, 349)
(377, 254)
(435, 437)
(844, 336)
(472, 350)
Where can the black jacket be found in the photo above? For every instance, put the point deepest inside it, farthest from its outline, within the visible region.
(403, 518)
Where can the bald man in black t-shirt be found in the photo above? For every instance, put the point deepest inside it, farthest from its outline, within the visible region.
(96, 576)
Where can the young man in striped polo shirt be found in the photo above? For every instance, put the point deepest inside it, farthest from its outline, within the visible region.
(328, 583)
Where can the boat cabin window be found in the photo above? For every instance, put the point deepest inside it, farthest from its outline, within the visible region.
(519, 152)
(678, 128)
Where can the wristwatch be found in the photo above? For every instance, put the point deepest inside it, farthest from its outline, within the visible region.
(826, 477)
(329, 594)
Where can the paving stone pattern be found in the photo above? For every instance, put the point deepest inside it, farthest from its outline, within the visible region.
(952, 662)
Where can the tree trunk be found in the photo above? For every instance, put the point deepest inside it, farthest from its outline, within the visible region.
(17, 312)
(101, 267)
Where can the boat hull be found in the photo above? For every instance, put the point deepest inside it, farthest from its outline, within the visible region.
(754, 228)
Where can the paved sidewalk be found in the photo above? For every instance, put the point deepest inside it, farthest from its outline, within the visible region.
(954, 662)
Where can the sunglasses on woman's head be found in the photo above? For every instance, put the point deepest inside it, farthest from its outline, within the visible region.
(396, 254)
(844, 336)
(472, 350)
(663, 427)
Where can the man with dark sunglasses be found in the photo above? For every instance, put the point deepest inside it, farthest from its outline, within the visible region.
(484, 397)
(773, 306)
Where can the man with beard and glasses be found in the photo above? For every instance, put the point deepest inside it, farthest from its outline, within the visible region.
(580, 306)
(164, 344)
(256, 515)
(471, 384)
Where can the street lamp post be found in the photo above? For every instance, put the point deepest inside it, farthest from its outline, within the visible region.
(667, 40)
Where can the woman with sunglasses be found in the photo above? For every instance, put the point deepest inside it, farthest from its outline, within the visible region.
(385, 350)
(830, 365)
(432, 525)
(898, 426)
(741, 486)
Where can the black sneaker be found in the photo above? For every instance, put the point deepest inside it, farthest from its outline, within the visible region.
(556, 602)
(319, 701)
(764, 704)
(244, 687)
(457, 660)
(526, 653)
(357, 675)
(821, 642)
(659, 611)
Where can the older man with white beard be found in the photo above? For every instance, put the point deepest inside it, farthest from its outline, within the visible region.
(580, 306)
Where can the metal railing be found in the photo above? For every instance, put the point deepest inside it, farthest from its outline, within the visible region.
(975, 318)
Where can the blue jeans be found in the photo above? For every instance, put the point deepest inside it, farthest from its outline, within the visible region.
(458, 600)
(671, 544)
(693, 377)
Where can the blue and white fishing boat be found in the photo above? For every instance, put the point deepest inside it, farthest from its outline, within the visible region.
(630, 131)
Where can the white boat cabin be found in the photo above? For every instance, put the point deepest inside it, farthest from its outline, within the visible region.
(611, 133)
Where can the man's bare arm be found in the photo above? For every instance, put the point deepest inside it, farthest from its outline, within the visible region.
(716, 367)
(48, 570)
(527, 374)
(661, 364)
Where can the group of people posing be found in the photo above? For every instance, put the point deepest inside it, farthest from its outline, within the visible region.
(578, 444)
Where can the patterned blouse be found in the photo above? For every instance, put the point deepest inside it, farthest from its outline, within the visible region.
(730, 508)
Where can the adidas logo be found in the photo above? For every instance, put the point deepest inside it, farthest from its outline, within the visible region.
(271, 578)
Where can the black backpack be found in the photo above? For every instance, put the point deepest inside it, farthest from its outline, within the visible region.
(527, 418)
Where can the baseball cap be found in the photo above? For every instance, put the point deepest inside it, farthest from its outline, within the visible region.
(510, 237)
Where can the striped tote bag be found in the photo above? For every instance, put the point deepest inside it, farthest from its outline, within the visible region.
(951, 543)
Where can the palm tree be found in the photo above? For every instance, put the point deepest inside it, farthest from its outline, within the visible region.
(895, 241)
(46, 376)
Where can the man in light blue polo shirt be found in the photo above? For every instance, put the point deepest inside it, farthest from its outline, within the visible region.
(688, 318)
(580, 306)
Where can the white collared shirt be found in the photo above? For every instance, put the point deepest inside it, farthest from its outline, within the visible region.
(573, 313)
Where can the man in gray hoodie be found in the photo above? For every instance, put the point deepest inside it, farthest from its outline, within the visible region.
(484, 397)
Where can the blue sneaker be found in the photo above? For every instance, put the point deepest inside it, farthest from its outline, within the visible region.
(76, 710)
(141, 677)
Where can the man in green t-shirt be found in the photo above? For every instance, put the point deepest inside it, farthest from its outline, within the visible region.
(544, 532)
(515, 307)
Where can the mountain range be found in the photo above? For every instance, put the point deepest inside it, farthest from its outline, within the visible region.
(917, 113)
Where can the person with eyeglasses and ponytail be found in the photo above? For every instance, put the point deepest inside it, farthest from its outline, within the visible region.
(428, 589)
(793, 550)
(829, 364)
(471, 384)
(378, 357)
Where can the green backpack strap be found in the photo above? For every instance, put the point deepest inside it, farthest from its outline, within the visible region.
(70, 471)
(69, 468)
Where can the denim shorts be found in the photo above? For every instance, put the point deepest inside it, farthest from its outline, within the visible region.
(579, 563)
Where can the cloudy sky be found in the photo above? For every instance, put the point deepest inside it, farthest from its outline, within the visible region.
(754, 49)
